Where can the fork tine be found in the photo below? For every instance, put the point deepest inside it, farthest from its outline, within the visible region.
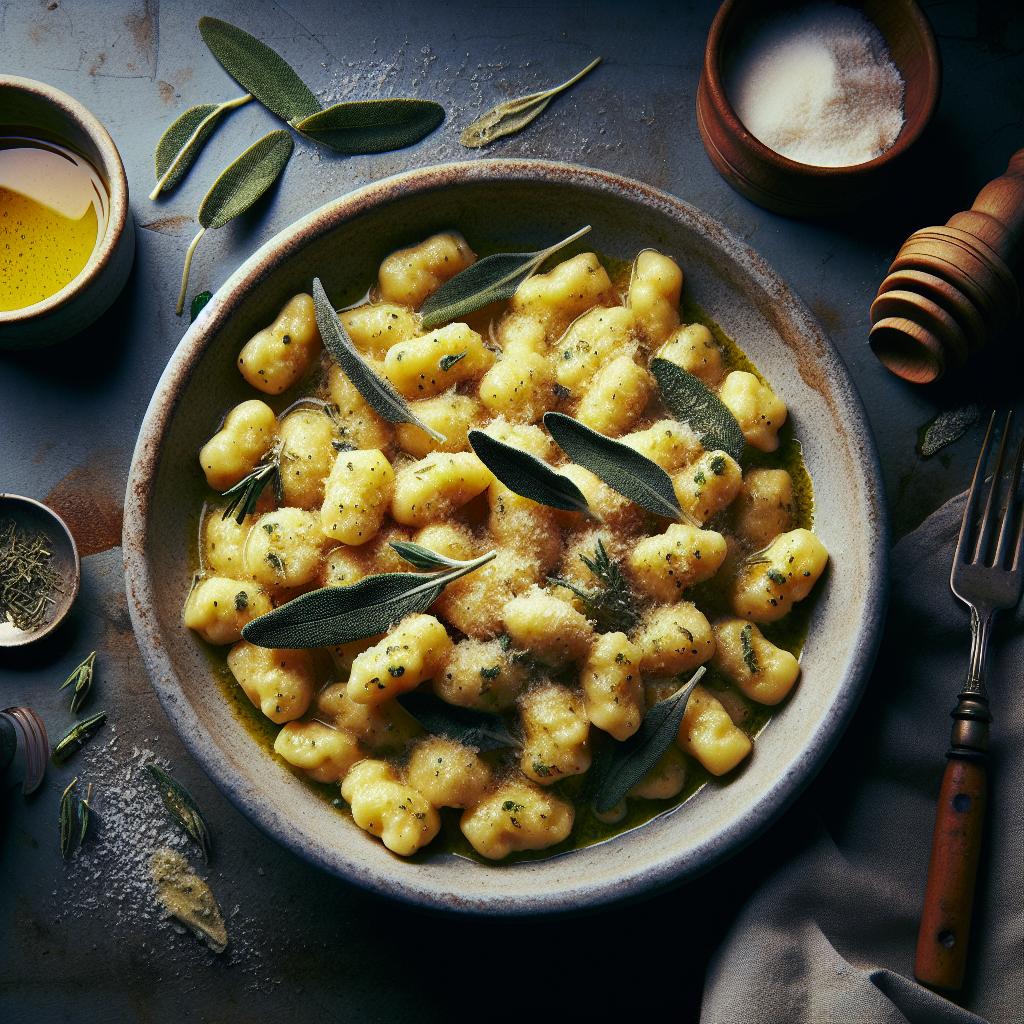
(1005, 539)
(988, 517)
(973, 495)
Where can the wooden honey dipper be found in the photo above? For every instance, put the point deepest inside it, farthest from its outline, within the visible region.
(950, 288)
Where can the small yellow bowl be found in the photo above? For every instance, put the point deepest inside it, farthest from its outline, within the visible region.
(38, 110)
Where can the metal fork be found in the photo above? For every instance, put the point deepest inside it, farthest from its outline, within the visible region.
(988, 576)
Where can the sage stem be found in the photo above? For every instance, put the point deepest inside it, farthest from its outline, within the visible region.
(185, 270)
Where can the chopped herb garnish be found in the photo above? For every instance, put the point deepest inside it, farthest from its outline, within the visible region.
(749, 654)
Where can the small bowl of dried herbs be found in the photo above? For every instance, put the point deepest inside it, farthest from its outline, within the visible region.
(39, 570)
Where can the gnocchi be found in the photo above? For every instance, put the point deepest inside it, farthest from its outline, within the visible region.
(575, 624)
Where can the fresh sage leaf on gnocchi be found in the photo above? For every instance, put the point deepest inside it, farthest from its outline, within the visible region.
(622, 468)
(379, 393)
(423, 558)
(259, 70)
(492, 279)
(514, 115)
(182, 808)
(239, 186)
(372, 126)
(339, 615)
(691, 401)
(626, 764)
(179, 147)
(528, 476)
(473, 728)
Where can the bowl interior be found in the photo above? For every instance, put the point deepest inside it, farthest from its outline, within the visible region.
(518, 205)
(31, 515)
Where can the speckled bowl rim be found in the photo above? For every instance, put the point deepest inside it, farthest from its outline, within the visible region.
(633, 884)
(112, 168)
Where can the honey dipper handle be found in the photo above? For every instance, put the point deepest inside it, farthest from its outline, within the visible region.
(997, 216)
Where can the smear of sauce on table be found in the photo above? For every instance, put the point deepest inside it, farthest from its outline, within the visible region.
(90, 500)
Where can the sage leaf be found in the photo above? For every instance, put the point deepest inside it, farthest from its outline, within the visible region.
(199, 302)
(480, 729)
(624, 470)
(691, 401)
(339, 615)
(68, 818)
(949, 426)
(423, 558)
(259, 70)
(240, 184)
(384, 399)
(372, 126)
(81, 679)
(527, 475)
(76, 737)
(514, 115)
(182, 808)
(179, 147)
(492, 279)
(630, 761)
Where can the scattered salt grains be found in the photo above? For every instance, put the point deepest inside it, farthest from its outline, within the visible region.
(819, 86)
(109, 878)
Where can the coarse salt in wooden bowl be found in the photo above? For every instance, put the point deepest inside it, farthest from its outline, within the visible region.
(798, 189)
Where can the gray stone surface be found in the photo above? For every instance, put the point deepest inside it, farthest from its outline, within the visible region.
(81, 941)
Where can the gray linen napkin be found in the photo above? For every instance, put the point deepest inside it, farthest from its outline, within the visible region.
(829, 937)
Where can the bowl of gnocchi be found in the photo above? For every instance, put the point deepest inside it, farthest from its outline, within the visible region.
(505, 537)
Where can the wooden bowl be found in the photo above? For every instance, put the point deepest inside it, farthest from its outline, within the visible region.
(787, 186)
(510, 204)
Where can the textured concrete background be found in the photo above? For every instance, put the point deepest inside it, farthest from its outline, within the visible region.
(81, 941)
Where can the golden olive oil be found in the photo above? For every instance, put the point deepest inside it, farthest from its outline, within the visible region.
(53, 211)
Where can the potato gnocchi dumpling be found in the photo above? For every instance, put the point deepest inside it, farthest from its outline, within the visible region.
(278, 357)
(544, 660)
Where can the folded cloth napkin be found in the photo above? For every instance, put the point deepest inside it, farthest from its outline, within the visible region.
(830, 935)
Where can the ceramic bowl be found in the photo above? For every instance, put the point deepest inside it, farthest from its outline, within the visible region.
(32, 515)
(522, 205)
(787, 186)
(40, 111)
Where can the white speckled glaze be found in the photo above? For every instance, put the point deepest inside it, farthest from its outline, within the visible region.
(520, 204)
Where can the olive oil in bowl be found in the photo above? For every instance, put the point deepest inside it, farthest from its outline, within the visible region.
(53, 212)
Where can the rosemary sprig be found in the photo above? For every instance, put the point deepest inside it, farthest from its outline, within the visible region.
(613, 605)
(245, 495)
(73, 817)
(81, 677)
(749, 654)
(182, 808)
(77, 736)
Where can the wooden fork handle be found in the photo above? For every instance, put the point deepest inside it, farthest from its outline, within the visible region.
(942, 939)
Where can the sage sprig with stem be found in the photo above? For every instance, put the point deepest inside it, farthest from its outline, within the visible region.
(612, 604)
(691, 401)
(481, 729)
(77, 736)
(384, 399)
(73, 817)
(258, 69)
(492, 279)
(242, 182)
(182, 808)
(372, 126)
(339, 615)
(179, 147)
(527, 475)
(81, 678)
(625, 764)
(622, 468)
(514, 115)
